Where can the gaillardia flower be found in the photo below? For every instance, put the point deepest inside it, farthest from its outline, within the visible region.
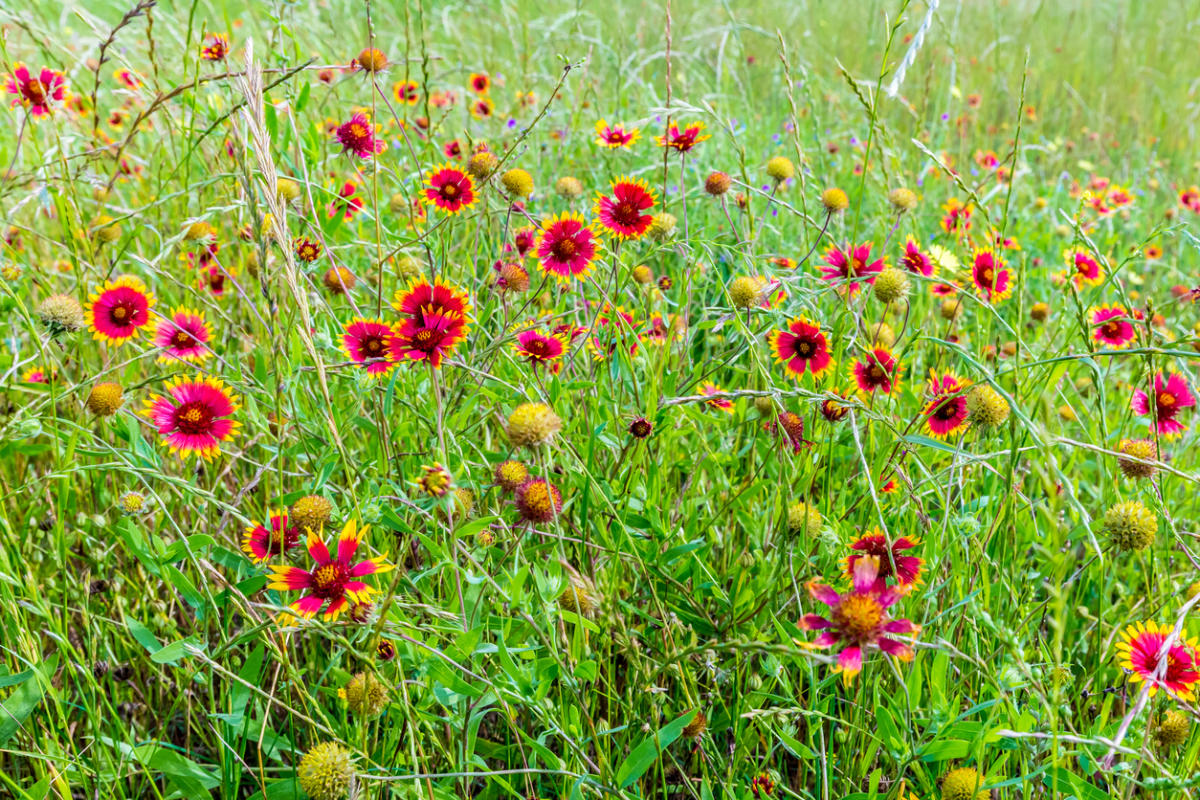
(1082, 268)
(877, 370)
(948, 412)
(893, 563)
(119, 309)
(260, 542)
(366, 339)
(858, 619)
(435, 320)
(194, 416)
(1171, 395)
(708, 388)
(801, 347)
(1140, 651)
(916, 260)
(183, 336)
(615, 136)
(334, 582)
(449, 189)
(539, 348)
(1112, 326)
(622, 213)
(566, 247)
(681, 141)
(847, 267)
(991, 275)
(38, 93)
(357, 136)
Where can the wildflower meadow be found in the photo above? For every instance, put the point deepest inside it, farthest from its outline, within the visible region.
(689, 399)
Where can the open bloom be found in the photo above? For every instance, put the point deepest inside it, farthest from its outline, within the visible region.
(1082, 268)
(539, 348)
(334, 582)
(119, 309)
(449, 188)
(877, 370)
(801, 347)
(183, 336)
(1171, 395)
(1140, 652)
(893, 563)
(1112, 326)
(947, 413)
(858, 620)
(260, 542)
(195, 416)
(709, 388)
(683, 140)
(615, 136)
(357, 136)
(957, 219)
(435, 319)
(991, 275)
(622, 213)
(847, 267)
(406, 92)
(916, 260)
(365, 341)
(567, 247)
(38, 93)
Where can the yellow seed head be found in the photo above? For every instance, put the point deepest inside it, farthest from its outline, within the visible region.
(517, 182)
(964, 783)
(780, 169)
(532, 425)
(745, 292)
(366, 695)
(902, 199)
(326, 772)
(105, 399)
(803, 518)
(891, 285)
(834, 200)
(987, 407)
(1130, 526)
(568, 187)
(310, 513)
(482, 165)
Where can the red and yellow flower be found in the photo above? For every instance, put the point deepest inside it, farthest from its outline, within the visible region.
(367, 342)
(449, 189)
(1112, 326)
(893, 561)
(195, 416)
(848, 268)
(802, 347)
(946, 414)
(119, 309)
(1082, 268)
(1141, 651)
(37, 93)
(1171, 395)
(183, 336)
(261, 542)
(616, 136)
(991, 275)
(876, 371)
(623, 213)
(435, 320)
(334, 582)
(681, 140)
(566, 247)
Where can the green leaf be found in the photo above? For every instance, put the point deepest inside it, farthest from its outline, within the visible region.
(143, 635)
(645, 754)
(176, 650)
(17, 707)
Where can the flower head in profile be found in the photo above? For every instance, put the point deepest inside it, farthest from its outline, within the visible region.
(1141, 651)
(566, 247)
(215, 47)
(948, 412)
(435, 318)
(357, 136)
(991, 275)
(119, 309)
(848, 268)
(622, 213)
(682, 140)
(1171, 395)
(449, 189)
(876, 371)
(38, 375)
(615, 137)
(894, 562)
(708, 388)
(1082, 268)
(801, 347)
(540, 349)
(261, 542)
(1112, 326)
(38, 93)
(195, 416)
(183, 336)
(334, 581)
(365, 342)
(916, 260)
(858, 620)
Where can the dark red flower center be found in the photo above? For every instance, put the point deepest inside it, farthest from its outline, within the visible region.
(183, 339)
(194, 418)
(538, 347)
(1112, 329)
(805, 348)
(450, 191)
(564, 249)
(372, 345)
(426, 339)
(626, 212)
(123, 313)
(330, 580)
(1166, 400)
(33, 91)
